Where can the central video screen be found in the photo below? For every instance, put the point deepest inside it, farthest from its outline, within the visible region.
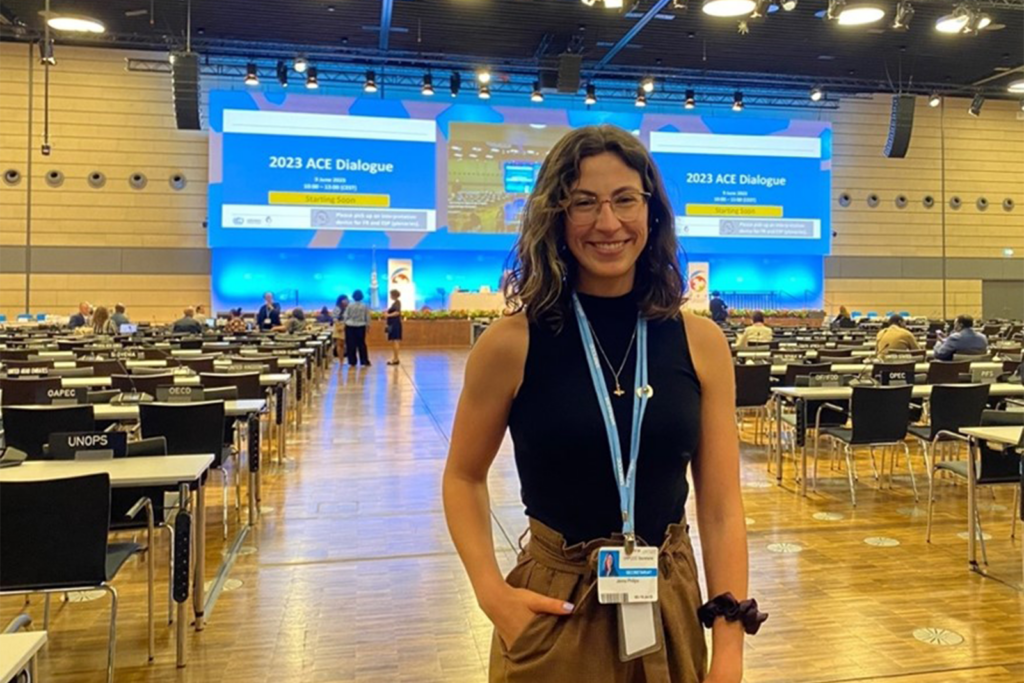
(324, 172)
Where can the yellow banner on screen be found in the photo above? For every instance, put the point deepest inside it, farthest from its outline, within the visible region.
(735, 210)
(327, 199)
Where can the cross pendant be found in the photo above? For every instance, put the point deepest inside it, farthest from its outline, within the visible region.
(618, 391)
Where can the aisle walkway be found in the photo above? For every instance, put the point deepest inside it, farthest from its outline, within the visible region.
(351, 576)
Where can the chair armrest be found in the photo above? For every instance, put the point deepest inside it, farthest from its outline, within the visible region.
(1016, 402)
(141, 504)
(946, 433)
(19, 622)
(823, 406)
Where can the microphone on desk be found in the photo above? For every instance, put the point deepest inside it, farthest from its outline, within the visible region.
(135, 396)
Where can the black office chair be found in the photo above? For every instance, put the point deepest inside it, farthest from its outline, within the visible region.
(888, 374)
(794, 371)
(993, 467)
(951, 406)
(78, 371)
(946, 372)
(27, 428)
(247, 383)
(973, 357)
(753, 389)
(15, 354)
(144, 383)
(198, 364)
(99, 396)
(105, 368)
(19, 364)
(53, 539)
(191, 428)
(23, 391)
(270, 361)
(880, 417)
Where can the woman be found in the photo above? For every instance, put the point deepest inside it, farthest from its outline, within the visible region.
(236, 323)
(101, 322)
(339, 327)
(324, 317)
(357, 320)
(595, 275)
(394, 326)
(843, 321)
(297, 323)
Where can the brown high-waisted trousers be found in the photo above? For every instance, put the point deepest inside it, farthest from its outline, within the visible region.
(584, 645)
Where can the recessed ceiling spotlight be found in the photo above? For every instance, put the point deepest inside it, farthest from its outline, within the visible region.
(536, 95)
(728, 8)
(591, 96)
(904, 14)
(691, 99)
(251, 77)
(861, 13)
(934, 100)
(370, 84)
(300, 64)
(74, 23)
(737, 101)
(817, 94)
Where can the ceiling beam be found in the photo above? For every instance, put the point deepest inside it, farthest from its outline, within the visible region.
(386, 9)
(630, 34)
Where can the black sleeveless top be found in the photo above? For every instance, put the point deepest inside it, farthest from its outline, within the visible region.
(561, 447)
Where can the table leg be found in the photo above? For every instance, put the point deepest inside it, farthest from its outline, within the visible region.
(282, 422)
(252, 440)
(778, 440)
(972, 529)
(182, 558)
(300, 394)
(199, 589)
(803, 451)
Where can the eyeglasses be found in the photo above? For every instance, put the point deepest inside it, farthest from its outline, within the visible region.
(626, 206)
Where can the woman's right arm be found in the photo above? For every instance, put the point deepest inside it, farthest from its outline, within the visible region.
(493, 375)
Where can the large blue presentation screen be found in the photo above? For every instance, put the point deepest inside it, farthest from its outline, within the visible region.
(302, 171)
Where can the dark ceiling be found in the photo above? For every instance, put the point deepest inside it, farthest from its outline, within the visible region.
(514, 33)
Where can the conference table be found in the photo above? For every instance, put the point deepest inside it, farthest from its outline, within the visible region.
(182, 471)
(800, 396)
(1006, 436)
(857, 368)
(18, 653)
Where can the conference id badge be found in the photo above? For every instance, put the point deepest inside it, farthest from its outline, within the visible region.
(627, 578)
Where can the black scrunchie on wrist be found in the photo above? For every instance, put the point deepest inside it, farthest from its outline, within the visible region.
(725, 605)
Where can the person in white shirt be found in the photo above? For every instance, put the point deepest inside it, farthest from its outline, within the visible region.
(758, 333)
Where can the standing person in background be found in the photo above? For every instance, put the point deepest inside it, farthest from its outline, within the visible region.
(119, 318)
(963, 340)
(357, 320)
(339, 327)
(843, 321)
(101, 322)
(80, 319)
(719, 309)
(269, 314)
(394, 326)
(758, 333)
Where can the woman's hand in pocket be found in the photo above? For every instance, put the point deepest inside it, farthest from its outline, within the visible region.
(512, 610)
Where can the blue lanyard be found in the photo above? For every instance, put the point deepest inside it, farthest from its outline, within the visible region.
(626, 480)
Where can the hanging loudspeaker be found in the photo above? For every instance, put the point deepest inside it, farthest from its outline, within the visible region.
(901, 124)
(185, 89)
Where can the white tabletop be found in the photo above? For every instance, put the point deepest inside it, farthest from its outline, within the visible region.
(159, 470)
(919, 391)
(130, 411)
(267, 380)
(1004, 435)
(16, 649)
(854, 368)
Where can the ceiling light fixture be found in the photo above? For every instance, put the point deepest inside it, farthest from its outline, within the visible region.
(737, 101)
(483, 76)
(647, 84)
(728, 8)
(75, 23)
(251, 77)
(904, 14)
(691, 99)
(835, 8)
(484, 92)
(976, 104)
(641, 98)
(788, 5)
(934, 100)
(455, 83)
(282, 73)
(613, 4)
(312, 82)
(964, 19)
(46, 55)
(1016, 86)
(370, 84)
(300, 64)
(536, 95)
(760, 9)
(817, 94)
(860, 14)
(428, 85)
(591, 97)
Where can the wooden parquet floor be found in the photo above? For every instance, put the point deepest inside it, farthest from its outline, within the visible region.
(350, 575)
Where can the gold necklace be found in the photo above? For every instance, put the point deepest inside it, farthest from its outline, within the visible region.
(619, 391)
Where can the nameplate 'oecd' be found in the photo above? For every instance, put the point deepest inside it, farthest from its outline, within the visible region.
(60, 396)
(176, 393)
(88, 445)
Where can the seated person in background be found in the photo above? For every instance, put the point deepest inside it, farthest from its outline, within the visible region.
(296, 323)
(81, 318)
(187, 324)
(236, 324)
(119, 318)
(843, 321)
(719, 309)
(324, 316)
(269, 314)
(758, 333)
(895, 337)
(963, 340)
(101, 322)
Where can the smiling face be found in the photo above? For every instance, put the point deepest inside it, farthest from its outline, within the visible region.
(605, 246)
